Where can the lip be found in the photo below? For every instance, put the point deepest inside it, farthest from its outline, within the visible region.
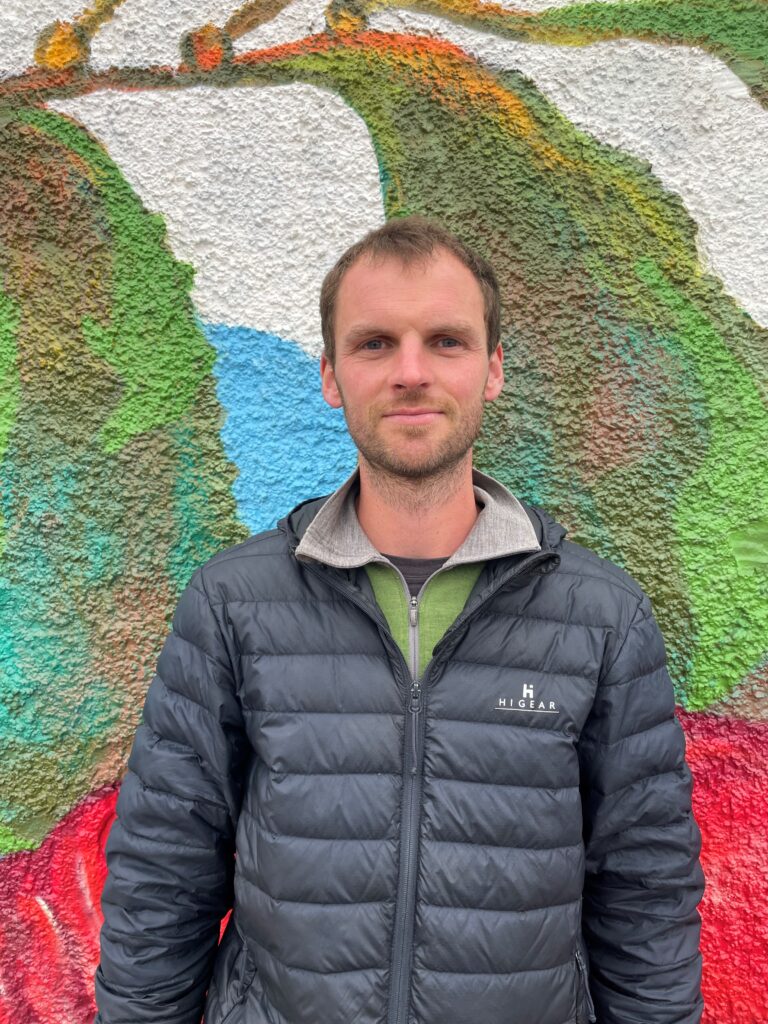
(413, 415)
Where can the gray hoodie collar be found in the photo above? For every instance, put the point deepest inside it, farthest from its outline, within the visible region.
(336, 538)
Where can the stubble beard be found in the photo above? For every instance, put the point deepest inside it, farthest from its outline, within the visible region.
(416, 480)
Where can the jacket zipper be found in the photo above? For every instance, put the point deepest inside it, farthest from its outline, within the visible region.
(415, 706)
(404, 921)
(405, 906)
(585, 987)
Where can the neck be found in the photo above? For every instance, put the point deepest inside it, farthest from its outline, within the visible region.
(428, 517)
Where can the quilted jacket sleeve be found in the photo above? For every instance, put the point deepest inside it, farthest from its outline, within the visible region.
(643, 879)
(170, 852)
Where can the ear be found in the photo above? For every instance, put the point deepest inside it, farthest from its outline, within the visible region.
(330, 388)
(495, 381)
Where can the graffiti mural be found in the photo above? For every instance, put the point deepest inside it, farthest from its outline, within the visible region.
(159, 393)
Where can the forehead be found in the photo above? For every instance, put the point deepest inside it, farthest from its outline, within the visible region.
(388, 286)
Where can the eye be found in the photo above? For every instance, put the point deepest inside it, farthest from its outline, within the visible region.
(373, 344)
(448, 342)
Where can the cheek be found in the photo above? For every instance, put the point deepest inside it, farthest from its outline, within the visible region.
(470, 389)
(363, 393)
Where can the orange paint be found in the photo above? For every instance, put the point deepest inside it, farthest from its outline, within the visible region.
(208, 47)
(444, 70)
(60, 47)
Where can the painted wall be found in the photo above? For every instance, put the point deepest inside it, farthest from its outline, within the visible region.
(171, 196)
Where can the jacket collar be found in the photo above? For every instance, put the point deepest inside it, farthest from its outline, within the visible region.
(328, 530)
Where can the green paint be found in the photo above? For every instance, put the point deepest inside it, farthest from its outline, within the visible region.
(114, 410)
(729, 489)
(9, 383)
(152, 339)
(736, 33)
(9, 841)
(750, 546)
(198, 494)
(43, 657)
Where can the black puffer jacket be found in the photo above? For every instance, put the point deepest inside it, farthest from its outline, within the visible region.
(457, 866)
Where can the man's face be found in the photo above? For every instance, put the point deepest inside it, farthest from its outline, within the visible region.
(412, 369)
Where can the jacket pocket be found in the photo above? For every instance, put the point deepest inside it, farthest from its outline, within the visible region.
(585, 1009)
(233, 974)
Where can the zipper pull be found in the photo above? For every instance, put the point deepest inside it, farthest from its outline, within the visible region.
(413, 611)
(585, 981)
(414, 708)
(415, 697)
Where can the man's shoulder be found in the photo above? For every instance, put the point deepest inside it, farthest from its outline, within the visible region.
(590, 567)
(584, 562)
(265, 542)
(238, 570)
(260, 563)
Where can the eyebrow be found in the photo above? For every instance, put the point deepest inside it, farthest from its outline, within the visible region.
(360, 331)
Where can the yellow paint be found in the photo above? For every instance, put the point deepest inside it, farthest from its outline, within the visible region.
(477, 88)
(60, 47)
(95, 16)
(343, 22)
(251, 15)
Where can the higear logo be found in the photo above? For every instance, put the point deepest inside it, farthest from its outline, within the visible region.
(527, 702)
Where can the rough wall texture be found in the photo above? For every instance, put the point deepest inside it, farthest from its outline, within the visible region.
(165, 222)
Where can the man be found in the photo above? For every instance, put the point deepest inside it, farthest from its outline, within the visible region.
(424, 746)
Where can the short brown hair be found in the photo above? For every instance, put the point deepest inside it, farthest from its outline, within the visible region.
(410, 239)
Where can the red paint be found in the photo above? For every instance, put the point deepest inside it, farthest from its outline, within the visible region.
(208, 47)
(50, 916)
(50, 919)
(403, 47)
(729, 761)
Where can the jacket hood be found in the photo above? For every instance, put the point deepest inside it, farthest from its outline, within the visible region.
(549, 532)
(295, 523)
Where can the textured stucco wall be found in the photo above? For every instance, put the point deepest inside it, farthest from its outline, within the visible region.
(164, 227)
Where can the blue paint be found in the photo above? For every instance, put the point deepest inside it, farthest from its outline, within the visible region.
(286, 442)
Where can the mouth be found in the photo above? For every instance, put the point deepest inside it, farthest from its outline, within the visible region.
(413, 416)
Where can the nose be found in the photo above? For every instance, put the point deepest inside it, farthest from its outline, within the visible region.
(411, 367)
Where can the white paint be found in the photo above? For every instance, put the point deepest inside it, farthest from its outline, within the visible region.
(296, 20)
(308, 160)
(135, 34)
(678, 108)
(48, 913)
(20, 25)
(261, 190)
(84, 885)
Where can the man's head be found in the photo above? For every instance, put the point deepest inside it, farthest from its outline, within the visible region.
(411, 240)
(412, 366)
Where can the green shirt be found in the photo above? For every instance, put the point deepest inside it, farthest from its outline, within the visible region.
(440, 601)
